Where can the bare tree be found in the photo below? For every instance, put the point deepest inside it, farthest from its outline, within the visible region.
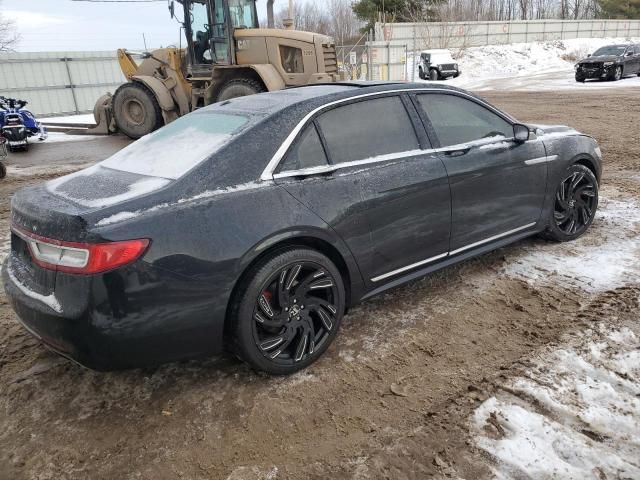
(306, 16)
(344, 25)
(8, 35)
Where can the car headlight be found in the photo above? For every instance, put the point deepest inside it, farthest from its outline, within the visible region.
(455, 66)
(576, 66)
(608, 64)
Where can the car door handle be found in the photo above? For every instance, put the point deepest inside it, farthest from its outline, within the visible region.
(457, 152)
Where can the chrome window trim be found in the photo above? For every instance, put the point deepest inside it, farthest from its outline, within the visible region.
(268, 172)
(332, 168)
(451, 253)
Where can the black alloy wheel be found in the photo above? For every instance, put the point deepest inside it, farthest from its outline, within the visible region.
(617, 74)
(297, 303)
(575, 204)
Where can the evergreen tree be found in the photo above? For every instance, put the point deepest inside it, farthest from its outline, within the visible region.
(394, 10)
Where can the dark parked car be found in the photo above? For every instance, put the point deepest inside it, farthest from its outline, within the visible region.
(253, 224)
(610, 63)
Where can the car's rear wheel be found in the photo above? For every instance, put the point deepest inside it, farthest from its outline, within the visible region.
(3, 171)
(424, 77)
(576, 202)
(288, 311)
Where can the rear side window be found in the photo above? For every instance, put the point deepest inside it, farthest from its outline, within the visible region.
(368, 129)
(307, 152)
(178, 147)
(457, 120)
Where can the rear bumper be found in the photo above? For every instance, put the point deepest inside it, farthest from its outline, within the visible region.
(123, 319)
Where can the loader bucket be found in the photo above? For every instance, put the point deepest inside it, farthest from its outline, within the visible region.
(103, 114)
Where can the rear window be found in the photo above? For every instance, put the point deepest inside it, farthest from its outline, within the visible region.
(178, 147)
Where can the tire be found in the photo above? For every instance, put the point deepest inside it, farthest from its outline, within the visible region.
(422, 75)
(239, 87)
(580, 79)
(617, 75)
(280, 330)
(136, 110)
(3, 170)
(573, 204)
(433, 75)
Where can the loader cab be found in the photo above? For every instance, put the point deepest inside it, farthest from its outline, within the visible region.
(209, 27)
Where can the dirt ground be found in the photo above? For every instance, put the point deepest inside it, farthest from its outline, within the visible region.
(390, 399)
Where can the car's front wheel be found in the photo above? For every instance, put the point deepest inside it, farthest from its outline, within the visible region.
(617, 75)
(575, 205)
(288, 311)
(433, 74)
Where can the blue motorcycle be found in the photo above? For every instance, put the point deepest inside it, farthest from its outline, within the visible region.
(17, 125)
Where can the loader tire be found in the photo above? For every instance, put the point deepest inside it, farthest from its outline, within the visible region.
(239, 87)
(136, 110)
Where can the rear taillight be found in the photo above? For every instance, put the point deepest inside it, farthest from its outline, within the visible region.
(81, 258)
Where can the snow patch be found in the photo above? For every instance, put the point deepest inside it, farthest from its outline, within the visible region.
(602, 259)
(527, 66)
(50, 300)
(574, 415)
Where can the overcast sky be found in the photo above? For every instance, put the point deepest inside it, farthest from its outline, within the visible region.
(59, 25)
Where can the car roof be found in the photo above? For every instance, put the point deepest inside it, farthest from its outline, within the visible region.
(269, 103)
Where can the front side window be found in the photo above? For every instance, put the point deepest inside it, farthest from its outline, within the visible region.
(457, 120)
(199, 18)
(163, 153)
(306, 153)
(368, 129)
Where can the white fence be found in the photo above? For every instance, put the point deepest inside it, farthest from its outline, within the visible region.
(393, 41)
(57, 83)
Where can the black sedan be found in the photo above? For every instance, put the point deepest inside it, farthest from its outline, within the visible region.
(610, 63)
(254, 224)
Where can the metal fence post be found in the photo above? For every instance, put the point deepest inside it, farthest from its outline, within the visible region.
(388, 61)
(71, 85)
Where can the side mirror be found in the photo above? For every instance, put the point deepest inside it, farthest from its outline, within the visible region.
(172, 8)
(628, 54)
(520, 133)
(588, 54)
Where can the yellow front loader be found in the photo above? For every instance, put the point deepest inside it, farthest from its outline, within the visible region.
(227, 55)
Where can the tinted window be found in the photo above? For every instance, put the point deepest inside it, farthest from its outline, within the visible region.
(368, 129)
(458, 120)
(307, 152)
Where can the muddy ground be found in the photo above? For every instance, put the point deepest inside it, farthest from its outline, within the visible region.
(390, 399)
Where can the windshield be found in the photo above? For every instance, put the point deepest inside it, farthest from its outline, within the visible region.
(178, 147)
(616, 50)
(243, 13)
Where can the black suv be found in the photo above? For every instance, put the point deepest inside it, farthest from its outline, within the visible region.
(611, 63)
